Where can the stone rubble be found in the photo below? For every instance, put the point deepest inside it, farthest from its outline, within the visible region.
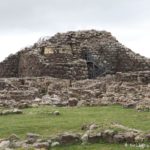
(13, 111)
(112, 89)
(130, 138)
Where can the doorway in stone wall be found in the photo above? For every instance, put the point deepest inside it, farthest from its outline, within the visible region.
(86, 55)
(42, 50)
(94, 70)
(91, 70)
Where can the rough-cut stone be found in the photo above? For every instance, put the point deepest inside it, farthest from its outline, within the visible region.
(72, 102)
(52, 100)
(32, 138)
(130, 105)
(89, 127)
(130, 137)
(13, 137)
(54, 144)
(13, 111)
(144, 105)
(82, 103)
(41, 145)
(139, 138)
(4, 145)
(119, 138)
(56, 113)
(107, 135)
(84, 138)
(95, 138)
(33, 135)
(17, 111)
(69, 138)
(148, 137)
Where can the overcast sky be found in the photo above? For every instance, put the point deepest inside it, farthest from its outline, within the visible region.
(23, 22)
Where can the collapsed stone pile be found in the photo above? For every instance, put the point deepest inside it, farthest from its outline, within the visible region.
(132, 90)
(92, 134)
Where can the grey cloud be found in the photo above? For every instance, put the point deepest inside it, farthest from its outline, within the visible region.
(46, 15)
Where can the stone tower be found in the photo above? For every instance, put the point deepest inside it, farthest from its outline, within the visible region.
(74, 55)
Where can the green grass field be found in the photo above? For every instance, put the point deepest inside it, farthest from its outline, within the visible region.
(101, 146)
(39, 120)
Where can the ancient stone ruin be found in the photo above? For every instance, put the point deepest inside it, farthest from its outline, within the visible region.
(52, 72)
(74, 55)
(84, 68)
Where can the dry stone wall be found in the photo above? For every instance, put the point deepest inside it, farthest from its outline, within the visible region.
(34, 65)
(9, 67)
(140, 77)
(29, 65)
(74, 55)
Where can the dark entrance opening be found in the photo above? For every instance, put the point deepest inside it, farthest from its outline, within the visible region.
(94, 69)
(42, 50)
(91, 70)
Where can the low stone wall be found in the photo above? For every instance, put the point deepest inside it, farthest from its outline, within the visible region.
(123, 89)
(141, 76)
(127, 136)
